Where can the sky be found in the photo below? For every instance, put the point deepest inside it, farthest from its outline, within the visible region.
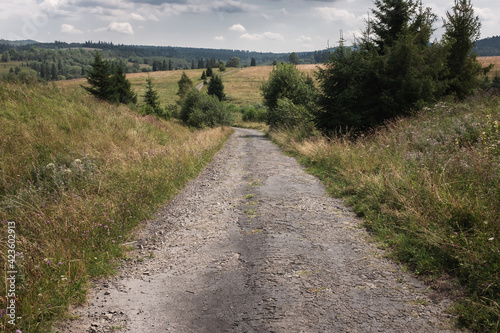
(254, 25)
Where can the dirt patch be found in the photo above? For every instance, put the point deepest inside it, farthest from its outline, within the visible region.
(256, 245)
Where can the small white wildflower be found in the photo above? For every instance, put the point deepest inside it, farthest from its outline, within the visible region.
(77, 161)
(491, 238)
(67, 171)
(50, 166)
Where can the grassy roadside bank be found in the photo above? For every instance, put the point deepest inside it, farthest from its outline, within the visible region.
(76, 176)
(428, 187)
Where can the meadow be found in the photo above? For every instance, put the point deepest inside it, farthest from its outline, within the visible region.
(77, 176)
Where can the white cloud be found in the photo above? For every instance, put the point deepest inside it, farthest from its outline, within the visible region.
(219, 38)
(265, 35)
(331, 14)
(123, 28)
(137, 17)
(238, 27)
(303, 39)
(68, 28)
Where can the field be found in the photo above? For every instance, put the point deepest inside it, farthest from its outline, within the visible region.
(485, 61)
(240, 85)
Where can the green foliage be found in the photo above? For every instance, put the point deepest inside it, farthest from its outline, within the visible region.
(233, 62)
(152, 101)
(185, 85)
(462, 31)
(253, 62)
(293, 58)
(99, 78)
(255, 113)
(106, 84)
(285, 81)
(200, 110)
(216, 88)
(209, 71)
(288, 114)
(203, 75)
(222, 67)
(121, 87)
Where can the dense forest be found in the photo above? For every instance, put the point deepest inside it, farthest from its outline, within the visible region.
(61, 61)
(488, 46)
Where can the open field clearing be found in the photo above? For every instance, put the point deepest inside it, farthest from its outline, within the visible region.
(240, 85)
(485, 61)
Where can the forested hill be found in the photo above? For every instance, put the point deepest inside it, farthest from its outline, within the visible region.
(488, 46)
(185, 53)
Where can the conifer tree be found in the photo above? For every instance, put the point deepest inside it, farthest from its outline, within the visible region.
(99, 78)
(253, 62)
(151, 98)
(216, 88)
(122, 88)
(209, 71)
(185, 85)
(462, 31)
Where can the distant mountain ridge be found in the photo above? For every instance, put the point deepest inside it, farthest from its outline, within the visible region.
(488, 46)
(18, 42)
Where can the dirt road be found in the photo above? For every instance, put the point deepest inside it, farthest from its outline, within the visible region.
(256, 245)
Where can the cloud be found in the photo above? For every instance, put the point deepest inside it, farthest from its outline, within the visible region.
(303, 39)
(238, 27)
(122, 28)
(68, 28)
(265, 35)
(219, 38)
(137, 17)
(334, 14)
(231, 6)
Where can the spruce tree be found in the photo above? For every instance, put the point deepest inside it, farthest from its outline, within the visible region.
(462, 31)
(185, 85)
(151, 98)
(99, 78)
(209, 71)
(253, 62)
(121, 87)
(216, 88)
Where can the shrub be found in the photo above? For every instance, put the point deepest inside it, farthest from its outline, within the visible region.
(200, 110)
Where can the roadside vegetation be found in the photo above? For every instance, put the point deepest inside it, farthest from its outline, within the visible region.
(77, 176)
(408, 132)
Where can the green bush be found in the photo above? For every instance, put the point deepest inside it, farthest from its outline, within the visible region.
(256, 113)
(200, 110)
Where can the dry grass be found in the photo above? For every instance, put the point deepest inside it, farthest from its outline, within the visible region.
(428, 186)
(485, 61)
(77, 175)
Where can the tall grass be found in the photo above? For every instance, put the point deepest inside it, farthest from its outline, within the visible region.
(76, 176)
(429, 188)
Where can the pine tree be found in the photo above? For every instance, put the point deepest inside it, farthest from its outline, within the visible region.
(185, 85)
(253, 62)
(216, 88)
(209, 71)
(121, 87)
(203, 75)
(54, 72)
(392, 17)
(99, 78)
(462, 31)
(151, 98)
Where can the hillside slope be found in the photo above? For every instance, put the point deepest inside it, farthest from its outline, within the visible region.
(76, 176)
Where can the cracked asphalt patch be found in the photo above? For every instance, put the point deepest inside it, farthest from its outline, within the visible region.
(255, 244)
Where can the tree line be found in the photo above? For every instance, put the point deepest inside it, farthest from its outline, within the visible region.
(393, 70)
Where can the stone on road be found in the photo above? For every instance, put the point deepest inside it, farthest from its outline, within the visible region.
(255, 244)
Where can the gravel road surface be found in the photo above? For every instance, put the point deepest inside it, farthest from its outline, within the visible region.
(255, 244)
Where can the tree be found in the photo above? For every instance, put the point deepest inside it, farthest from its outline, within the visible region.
(99, 78)
(253, 62)
(285, 80)
(151, 99)
(54, 72)
(203, 75)
(216, 88)
(233, 62)
(293, 58)
(122, 88)
(462, 31)
(392, 17)
(209, 71)
(6, 56)
(185, 85)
